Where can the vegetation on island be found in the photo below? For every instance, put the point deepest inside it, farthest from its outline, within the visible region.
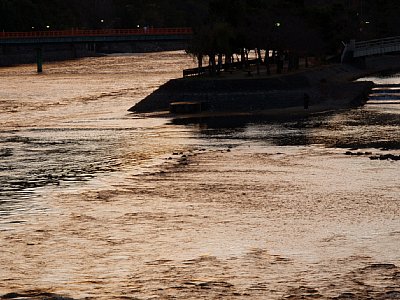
(289, 29)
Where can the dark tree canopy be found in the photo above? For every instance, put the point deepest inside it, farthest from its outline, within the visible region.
(302, 26)
(221, 25)
(21, 15)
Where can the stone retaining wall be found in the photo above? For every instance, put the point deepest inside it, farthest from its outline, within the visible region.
(331, 86)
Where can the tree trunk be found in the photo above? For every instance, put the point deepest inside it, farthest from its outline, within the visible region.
(259, 57)
(258, 54)
(228, 61)
(200, 62)
(296, 61)
(291, 62)
(274, 55)
(267, 61)
(280, 62)
(242, 58)
(212, 64)
(219, 63)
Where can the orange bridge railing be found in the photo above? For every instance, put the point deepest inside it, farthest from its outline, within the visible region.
(100, 32)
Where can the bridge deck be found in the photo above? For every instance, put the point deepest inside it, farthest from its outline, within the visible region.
(104, 35)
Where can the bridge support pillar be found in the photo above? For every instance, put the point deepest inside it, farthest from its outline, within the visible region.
(360, 62)
(39, 59)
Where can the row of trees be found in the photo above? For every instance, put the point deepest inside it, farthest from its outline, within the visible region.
(295, 27)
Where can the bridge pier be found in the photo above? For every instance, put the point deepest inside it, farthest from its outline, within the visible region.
(91, 47)
(360, 62)
(74, 52)
(39, 59)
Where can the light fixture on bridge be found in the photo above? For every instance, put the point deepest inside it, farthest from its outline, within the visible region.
(102, 21)
(48, 26)
(138, 26)
(278, 24)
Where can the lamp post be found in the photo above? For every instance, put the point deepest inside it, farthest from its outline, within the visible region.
(280, 58)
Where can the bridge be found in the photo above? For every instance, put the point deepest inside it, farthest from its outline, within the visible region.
(79, 36)
(92, 36)
(360, 49)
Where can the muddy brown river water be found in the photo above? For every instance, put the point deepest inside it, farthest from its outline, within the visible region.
(98, 203)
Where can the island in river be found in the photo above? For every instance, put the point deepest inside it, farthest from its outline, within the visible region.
(322, 88)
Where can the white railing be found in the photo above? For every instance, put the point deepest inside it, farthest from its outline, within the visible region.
(377, 46)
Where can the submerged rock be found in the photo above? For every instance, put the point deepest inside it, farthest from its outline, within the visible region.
(386, 157)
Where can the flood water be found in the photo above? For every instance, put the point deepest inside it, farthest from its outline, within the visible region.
(99, 203)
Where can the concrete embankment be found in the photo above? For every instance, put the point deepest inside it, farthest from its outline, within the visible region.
(325, 88)
(26, 54)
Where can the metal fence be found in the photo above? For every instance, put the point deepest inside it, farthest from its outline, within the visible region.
(223, 67)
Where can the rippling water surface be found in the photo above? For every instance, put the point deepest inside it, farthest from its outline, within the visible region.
(98, 203)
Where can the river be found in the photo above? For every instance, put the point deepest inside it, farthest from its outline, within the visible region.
(99, 203)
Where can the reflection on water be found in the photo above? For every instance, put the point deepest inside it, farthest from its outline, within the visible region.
(373, 126)
(71, 122)
(98, 203)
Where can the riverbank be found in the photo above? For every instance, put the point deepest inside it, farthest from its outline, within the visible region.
(14, 55)
(325, 88)
(26, 54)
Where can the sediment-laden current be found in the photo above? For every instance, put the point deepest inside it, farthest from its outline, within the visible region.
(98, 203)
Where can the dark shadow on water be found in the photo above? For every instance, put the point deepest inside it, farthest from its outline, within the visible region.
(356, 128)
(382, 145)
(34, 295)
(273, 130)
(234, 121)
(302, 139)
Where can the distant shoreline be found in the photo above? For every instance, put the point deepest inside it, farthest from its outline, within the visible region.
(330, 87)
(13, 56)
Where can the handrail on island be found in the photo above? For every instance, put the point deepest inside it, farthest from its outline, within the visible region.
(224, 67)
